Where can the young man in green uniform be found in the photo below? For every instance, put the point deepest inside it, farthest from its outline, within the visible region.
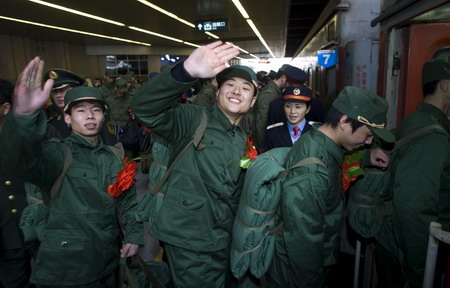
(270, 92)
(420, 186)
(202, 193)
(312, 200)
(80, 244)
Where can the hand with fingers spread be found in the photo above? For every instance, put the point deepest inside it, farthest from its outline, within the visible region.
(207, 61)
(29, 96)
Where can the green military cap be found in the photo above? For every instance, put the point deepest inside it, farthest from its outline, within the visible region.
(434, 71)
(128, 77)
(63, 78)
(82, 94)
(365, 107)
(239, 71)
(121, 85)
(112, 73)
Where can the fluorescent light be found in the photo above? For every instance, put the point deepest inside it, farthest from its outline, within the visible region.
(212, 35)
(252, 25)
(74, 31)
(155, 34)
(77, 12)
(191, 44)
(159, 9)
(240, 8)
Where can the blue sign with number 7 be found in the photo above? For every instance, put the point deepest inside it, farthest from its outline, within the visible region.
(327, 58)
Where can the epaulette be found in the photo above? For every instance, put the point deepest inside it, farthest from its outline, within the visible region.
(275, 125)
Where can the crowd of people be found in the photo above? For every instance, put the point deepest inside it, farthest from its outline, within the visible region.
(72, 159)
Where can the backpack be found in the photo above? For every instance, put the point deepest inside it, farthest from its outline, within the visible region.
(151, 203)
(257, 218)
(370, 199)
(34, 217)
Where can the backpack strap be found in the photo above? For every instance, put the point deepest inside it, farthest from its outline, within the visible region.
(399, 143)
(306, 161)
(196, 138)
(389, 206)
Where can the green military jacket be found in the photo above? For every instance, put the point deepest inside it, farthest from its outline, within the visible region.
(207, 95)
(118, 108)
(312, 208)
(81, 240)
(420, 189)
(270, 92)
(202, 192)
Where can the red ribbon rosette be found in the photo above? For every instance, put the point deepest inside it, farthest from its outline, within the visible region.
(125, 179)
(250, 154)
(351, 168)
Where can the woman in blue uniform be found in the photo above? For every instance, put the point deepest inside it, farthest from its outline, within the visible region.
(296, 106)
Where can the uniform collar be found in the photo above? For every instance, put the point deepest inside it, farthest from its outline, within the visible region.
(223, 120)
(336, 151)
(435, 112)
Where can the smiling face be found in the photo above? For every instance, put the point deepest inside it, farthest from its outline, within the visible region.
(295, 112)
(86, 119)
(235, 97)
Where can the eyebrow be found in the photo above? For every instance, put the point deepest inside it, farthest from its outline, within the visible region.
(82, 104)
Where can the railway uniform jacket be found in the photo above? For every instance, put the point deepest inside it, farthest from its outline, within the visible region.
(420, 189)
(203, 191)
(81, 240)
(312, 206)
(13, 199)
(280, 136)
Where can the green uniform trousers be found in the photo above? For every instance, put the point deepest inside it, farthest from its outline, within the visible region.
(199, 269)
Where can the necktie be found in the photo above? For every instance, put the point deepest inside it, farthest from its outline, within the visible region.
(296, 129)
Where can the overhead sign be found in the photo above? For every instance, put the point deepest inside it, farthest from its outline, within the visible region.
(211, 25)
(327, 58)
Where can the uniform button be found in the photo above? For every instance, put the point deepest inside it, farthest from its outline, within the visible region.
(8, 182)
(185, 203)
(14, 210)
(11, 197)
(64, 244)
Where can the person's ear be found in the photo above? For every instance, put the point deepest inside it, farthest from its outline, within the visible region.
(6, 107)
(344, 121)
(67, 118)
(443, 85)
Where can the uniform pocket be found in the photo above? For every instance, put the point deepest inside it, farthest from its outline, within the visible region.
(62, 257)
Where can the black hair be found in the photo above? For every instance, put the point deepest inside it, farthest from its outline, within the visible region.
(334, 116)
(6, 89)
(430, 88)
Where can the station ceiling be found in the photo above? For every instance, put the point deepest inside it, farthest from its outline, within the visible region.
(283, 24)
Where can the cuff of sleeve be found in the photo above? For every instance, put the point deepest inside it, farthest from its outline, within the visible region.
(35, 122)
(180, 74)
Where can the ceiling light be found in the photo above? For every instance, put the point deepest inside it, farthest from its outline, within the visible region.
(74, 31)
(252, 25)
(191, 44)
(155, 34)
(240, 8)
(77, 12)
(212, 35)
(157, 8)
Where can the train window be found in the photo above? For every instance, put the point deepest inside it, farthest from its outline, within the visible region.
(124, 63)
(331, 31)
(442, 53)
